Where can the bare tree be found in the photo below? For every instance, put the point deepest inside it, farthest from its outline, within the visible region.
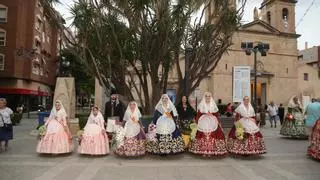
(133, 45)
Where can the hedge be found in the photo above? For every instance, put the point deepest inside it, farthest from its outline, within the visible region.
(16, 118)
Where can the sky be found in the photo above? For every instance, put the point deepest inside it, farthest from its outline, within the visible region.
(308, 26)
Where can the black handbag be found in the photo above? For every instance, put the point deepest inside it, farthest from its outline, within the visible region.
(6, 127)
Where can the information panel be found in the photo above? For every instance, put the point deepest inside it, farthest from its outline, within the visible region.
(241, 83)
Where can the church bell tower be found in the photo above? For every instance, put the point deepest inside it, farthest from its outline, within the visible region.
(280, 14)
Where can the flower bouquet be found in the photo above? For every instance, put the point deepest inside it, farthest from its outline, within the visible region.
(239, 131)
(119, 137)
(151, 135)
(42, 131)
(194, 128)
(79, 136)
(289, 117)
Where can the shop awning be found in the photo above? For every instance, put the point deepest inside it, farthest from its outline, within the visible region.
(23, 91)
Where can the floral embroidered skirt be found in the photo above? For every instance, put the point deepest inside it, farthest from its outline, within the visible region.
(211, 143)
(252, 144)
(165, 144)
(94, 144)
(132, 146)
(314, 146)
(294, 128)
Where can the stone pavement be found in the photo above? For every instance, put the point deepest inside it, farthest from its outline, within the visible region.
(286, 159)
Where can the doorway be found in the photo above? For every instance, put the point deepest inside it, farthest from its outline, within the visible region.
(261, 93)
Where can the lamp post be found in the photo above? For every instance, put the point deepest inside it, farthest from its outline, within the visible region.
(188, 52)
(250, 47)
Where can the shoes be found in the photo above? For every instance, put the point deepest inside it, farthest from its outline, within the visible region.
(271, 126)
(275, 126)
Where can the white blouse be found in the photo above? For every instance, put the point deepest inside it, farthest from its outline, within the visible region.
(5, 116)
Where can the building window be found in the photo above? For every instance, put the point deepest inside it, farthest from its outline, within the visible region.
(226, 66)
(285, 13)
(306, 76)
(1, 62)
(2, 37)
(287, 70)
(3, 13)
(269, 17)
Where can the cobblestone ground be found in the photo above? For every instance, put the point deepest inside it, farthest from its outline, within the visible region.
(286, 159)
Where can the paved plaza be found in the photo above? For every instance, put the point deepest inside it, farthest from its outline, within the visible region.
(286, 159)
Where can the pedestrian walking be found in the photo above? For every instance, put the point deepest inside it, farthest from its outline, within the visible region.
(273, 113)
(6, 132)
(313, 114)
(281, 113)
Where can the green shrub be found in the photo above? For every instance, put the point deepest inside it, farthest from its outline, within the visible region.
(146, 120)
(83, 118)
(16, 118)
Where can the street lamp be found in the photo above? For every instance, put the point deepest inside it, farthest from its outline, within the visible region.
(250, 47)
(187, 55)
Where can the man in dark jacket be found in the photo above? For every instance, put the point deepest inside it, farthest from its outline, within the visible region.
(281, 113)
(114, 109)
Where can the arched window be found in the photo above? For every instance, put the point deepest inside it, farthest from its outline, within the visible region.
(285, 14)
(269, 17)
(3, 13)
(3, 35)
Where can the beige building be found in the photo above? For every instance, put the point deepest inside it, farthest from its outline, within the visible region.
(277, 72)
(309, 71)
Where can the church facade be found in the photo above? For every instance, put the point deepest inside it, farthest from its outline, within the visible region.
(277, 72)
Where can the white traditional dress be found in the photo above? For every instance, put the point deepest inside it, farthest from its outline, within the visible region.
(167, 138)
(133, 141)
(209, 139)
(252, 141)
(94, 140)
(57, 138)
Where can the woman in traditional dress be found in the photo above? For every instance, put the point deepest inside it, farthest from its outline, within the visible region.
(186, 115)
(94, 140)
(57, 138)
(245, 137)
(6, 133)
(168, 138)
(294, 123)
(133, 142)
(314, 146)
(209, 139)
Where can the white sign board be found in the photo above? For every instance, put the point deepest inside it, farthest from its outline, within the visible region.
(241, 83)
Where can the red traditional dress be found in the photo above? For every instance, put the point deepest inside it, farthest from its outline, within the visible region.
(251, 142)
(209, 138)
(314, 147)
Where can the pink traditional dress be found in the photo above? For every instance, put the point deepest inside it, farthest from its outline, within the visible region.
(314, 147)
(252, 141)
(57, 138)
(94, 139)
(209, 139)
(133, 141)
